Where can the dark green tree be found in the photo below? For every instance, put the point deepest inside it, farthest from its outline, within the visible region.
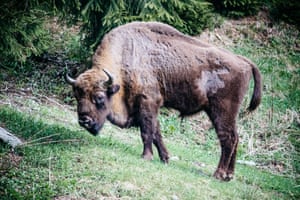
(236, 8)
(100, 16)
(22, 29)
(287, 10)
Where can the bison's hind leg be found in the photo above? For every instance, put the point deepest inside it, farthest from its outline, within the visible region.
(229, 142)
(159, 144)
(223, 118)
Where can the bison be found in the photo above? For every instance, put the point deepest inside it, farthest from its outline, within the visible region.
(142, 66)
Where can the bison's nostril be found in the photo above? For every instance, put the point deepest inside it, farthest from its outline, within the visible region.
(85, 121)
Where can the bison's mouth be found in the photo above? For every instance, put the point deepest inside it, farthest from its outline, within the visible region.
(91, 127)
(89, 124)
(94, 129)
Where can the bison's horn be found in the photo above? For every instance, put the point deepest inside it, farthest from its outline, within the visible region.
(110, 80)
(69, 80)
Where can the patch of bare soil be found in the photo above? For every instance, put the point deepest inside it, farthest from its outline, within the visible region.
(66, 197)
(9, 161)
(259, 28)
(19, 97)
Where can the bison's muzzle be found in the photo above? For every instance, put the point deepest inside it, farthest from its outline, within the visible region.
(87, 123)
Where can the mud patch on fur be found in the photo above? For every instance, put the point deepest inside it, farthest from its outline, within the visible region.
(210, 80)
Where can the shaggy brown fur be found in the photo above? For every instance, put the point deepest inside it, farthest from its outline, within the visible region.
(154, 65)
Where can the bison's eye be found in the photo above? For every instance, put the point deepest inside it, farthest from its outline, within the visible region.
(99, 102)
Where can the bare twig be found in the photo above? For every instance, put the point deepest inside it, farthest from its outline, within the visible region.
(51, 100)
(38, 139)
(49, 172)
(51, 142)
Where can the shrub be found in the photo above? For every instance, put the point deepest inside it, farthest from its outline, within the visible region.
(288, 10)
(236, 8)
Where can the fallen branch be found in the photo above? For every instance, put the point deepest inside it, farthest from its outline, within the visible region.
(9, 138)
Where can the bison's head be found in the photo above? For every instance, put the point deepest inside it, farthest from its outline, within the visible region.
(93, 91)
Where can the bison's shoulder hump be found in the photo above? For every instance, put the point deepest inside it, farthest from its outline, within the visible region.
(155, 27)
(152, 30)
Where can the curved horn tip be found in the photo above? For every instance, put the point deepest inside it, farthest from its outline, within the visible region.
(69, 80)
(110, 80)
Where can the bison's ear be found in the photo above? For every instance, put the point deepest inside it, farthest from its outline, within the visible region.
(113, 89)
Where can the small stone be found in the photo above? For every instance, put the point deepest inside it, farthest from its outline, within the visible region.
(175, 197)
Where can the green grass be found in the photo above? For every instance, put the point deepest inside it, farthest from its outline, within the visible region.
(73, 163)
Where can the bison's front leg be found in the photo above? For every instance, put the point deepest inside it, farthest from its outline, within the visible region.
(147, 137)
(150, 132)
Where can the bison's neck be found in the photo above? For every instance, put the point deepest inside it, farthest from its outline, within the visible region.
(119, 115)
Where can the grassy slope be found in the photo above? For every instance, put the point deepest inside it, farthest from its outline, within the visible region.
(63, 161)
(82, 166)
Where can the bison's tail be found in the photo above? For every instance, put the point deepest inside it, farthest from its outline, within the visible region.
(257, 93)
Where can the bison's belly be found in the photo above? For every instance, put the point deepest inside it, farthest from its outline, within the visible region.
(187, 104)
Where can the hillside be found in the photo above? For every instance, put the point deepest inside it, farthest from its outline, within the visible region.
(59, 160)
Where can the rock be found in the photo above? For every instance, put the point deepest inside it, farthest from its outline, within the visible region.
(174, 158)
(246, 162)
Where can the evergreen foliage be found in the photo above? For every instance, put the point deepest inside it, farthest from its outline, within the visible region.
(288, 10)
(22, 30)
(236, 8)
(100, 16)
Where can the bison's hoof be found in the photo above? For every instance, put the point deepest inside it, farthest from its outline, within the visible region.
(223, 175)
(164, 157)
(165, 160)
(147, 157)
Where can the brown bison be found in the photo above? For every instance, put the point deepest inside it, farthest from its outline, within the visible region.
(142, 66)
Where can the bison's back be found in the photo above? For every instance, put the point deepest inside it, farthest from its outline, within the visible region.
(154, 45)
(132, 43)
